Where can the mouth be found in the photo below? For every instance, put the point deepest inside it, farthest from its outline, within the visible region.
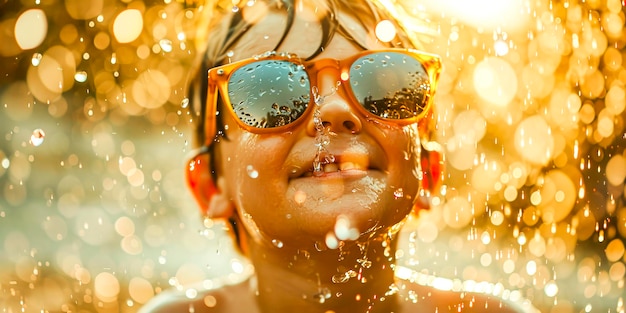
(339, 165)
(333, 167)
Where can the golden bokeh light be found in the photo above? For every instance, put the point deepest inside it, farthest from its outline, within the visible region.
(106, 287)
(31, 29)
(534, 140)
(495, 81)
(385, 31)
(128, 25)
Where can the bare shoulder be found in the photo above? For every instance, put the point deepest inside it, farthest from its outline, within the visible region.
(420, 298)
(229, 298)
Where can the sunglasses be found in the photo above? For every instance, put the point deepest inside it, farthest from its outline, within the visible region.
(272, 93)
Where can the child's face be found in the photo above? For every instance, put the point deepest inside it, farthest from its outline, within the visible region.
(268, 176)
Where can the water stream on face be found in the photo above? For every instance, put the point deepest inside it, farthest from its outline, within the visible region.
(322, 133)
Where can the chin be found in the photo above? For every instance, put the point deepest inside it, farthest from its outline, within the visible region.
(348, 218)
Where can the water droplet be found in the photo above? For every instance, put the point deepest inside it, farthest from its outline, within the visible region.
(277, 243)
(341, 278)
(300, 196)
(166, 45)
(331, 241)
(185, 103)
(36, 139)
(322, 295)
(191, 293)
(252, 172)
(5, 163)
(36, 59)
(399, 193)
(343, 229)
(319, 246)
(319, 298)
(317, 168)
(80, 76)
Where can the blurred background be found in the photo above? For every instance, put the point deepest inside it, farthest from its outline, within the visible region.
(95, 131)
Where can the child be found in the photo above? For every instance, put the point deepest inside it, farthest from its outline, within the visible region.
(315, 123)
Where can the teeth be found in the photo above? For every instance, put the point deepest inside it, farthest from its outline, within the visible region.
(334, 167)
(331, 167)
(347, 166)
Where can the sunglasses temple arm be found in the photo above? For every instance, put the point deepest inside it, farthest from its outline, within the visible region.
(211, 112)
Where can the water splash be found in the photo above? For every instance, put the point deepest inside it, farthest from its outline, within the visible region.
(364, 262)
(344, 277)
(322, 133)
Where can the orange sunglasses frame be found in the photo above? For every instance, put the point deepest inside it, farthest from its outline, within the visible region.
(218, 78)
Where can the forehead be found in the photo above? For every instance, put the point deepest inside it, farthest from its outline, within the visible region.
(304, 37)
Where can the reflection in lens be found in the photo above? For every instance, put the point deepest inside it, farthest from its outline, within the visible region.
(269, 93)
(391, 85)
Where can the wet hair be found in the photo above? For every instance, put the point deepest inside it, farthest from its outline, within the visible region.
(224, 25)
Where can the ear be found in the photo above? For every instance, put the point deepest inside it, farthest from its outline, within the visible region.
(211, 201)
(432, 170)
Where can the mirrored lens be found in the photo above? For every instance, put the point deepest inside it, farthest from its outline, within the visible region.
(269, 93)
(391, 85)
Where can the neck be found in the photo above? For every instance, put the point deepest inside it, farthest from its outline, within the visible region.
(357, 277)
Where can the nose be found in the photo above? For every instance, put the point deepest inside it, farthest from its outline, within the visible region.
(333, 112)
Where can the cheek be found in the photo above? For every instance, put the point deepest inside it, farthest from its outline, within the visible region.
(254, 172)
(404, 162)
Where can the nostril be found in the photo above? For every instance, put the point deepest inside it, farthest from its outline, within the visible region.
(335, 116)
(349, 125)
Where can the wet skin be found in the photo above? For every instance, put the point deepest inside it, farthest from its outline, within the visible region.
(283, 201)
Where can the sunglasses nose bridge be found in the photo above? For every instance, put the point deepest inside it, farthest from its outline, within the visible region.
(327, 76)
(335, 111)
